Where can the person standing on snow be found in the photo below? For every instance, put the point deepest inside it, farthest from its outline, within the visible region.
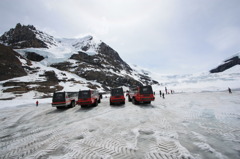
(166, 90)
(36, 103)
(229, 90)
(160, 92)
(163, 96)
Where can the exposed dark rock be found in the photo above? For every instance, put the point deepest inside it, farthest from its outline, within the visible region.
(83, 57)
(227, 64)
(22, 37)
(106, 58)
(92, 86)
(10, 98)
(17, 90)
(112, 57)
(85, 48)
(40, 88)
(47, 89)
(147, 80)
(10, 66)
(48, 86)
(93, 72)
(51, 78)
(155, 82)
(64, 66)
(34, 56)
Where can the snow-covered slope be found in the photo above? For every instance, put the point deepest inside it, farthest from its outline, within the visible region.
(196, 82)
(35, 80)
(60, 50)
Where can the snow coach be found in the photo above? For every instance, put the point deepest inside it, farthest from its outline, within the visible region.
(117, 96)
(64, 99)
(88, 98)
(141, 94)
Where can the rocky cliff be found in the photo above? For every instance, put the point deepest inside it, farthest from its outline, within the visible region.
(10, 65)
(233, 61)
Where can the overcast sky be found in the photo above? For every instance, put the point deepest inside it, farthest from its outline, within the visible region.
(166, 36)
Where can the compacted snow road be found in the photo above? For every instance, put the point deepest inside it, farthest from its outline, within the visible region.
(187, 125)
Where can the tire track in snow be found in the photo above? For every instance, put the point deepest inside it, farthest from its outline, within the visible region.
(8, 140)
(63, 143)
(19, 147)
(109, 146)
(159, 140)
(168, 150)
(73, 150)
(54, 145)
(26, 146)
(15, 118)
(12, 121)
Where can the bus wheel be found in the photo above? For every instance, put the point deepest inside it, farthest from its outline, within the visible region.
(73, 104)
(134, 101)
(95, 103)
(129, 99)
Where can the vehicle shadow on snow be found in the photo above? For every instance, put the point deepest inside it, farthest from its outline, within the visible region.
(57, 111)
(85, 109)
(117, 106)
(146, 106)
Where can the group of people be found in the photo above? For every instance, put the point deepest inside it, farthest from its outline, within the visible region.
(166, 92)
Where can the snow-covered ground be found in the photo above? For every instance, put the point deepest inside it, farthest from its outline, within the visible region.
(183, 125)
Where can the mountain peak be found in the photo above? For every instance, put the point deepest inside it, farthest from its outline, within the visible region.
(26, 36)
(20, 26)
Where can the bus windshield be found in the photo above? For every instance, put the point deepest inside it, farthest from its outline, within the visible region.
(117, 92)
(146, 90)
(84, 94)
(59, 97)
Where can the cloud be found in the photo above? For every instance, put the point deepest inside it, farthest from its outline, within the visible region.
(165, 35)
(225, 38)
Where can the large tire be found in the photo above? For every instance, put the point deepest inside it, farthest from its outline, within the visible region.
(99, 100)
(111, 103)
(129, 99)
(95, 103)
(73, 103)
(134, 101)
(58, 107)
